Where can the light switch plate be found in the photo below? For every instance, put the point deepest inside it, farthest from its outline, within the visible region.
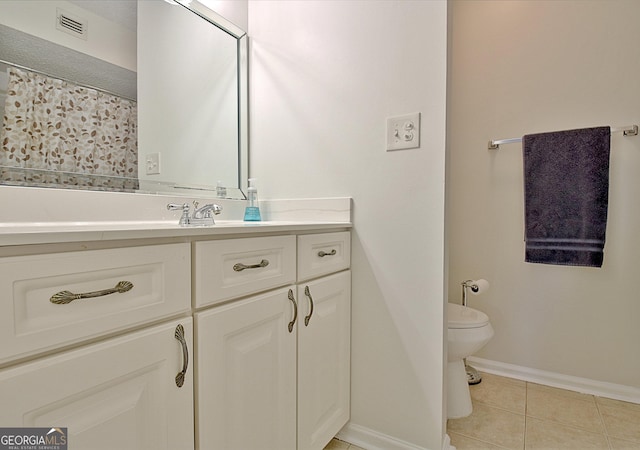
(403, 132)
(152, 162)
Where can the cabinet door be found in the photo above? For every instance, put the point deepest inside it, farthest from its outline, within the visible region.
(117, 394)
(246, 374)
(323, 359)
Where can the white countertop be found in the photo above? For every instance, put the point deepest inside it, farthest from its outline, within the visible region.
(52, 216)
(60, 232)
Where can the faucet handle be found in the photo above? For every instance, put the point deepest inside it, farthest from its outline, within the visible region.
(175, 206)
(184, 219)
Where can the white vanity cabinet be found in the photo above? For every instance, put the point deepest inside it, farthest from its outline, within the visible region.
(273, 369)
(241, 335)
(117, 394)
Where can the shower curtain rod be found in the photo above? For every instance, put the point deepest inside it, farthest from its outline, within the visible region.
(18, 66)
(631, 130)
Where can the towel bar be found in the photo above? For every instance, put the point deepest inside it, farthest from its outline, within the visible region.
(631, 130)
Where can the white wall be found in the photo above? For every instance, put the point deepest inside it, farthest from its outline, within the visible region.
(235, 11)
(324, 77)
(531, 66)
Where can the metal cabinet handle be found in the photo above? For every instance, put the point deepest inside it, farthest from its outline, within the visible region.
(64, 297)
(239, 267)
(295, 310)
(322, 253)
(179, 335)
(308, 294)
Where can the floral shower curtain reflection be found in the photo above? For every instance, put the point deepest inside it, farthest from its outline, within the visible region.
(58, 134)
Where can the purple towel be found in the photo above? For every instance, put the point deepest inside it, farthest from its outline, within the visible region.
(566, 191)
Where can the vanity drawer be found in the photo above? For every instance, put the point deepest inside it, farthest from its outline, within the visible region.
(233, 268)
(33, 319)
(321, 254)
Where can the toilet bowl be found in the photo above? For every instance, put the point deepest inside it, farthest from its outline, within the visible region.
(468, 331)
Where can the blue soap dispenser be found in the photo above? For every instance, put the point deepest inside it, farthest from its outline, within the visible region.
(252, 211)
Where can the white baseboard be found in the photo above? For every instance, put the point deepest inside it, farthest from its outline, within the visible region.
(446, 443)
(373, 440)
(578, 384)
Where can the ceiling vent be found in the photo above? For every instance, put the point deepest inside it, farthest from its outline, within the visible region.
(71, 24)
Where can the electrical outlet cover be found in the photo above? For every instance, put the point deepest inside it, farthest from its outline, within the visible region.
(403, 132)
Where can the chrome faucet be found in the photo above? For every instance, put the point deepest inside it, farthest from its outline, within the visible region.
(206, 211)
(201, 216)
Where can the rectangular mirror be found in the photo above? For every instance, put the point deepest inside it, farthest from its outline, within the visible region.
(187, 79)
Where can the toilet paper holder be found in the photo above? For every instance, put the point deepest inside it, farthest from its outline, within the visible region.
(476, 287)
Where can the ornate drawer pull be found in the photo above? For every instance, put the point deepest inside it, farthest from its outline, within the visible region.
(295, 310)
(64, 297)
(179, 335)
(239, 267)
(308, 294)
(322, 253)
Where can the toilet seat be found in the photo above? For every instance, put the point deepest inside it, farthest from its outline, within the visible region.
(462, 317)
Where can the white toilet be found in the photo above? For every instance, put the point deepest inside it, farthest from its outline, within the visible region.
(469, 331)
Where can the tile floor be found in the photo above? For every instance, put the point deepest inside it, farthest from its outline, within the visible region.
(513, 414)
(336, 444)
